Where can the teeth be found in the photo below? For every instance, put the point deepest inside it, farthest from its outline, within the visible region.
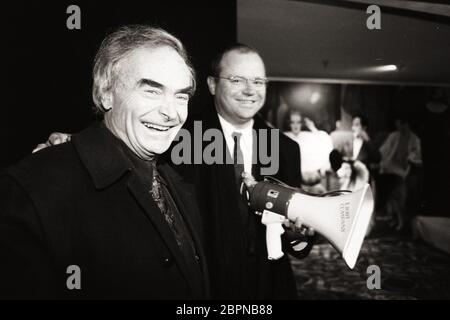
(156, 127)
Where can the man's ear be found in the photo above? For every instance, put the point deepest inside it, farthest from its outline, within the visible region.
(211, 85)
(107, 100)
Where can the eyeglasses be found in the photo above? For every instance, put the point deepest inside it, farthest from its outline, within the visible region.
(240, 82)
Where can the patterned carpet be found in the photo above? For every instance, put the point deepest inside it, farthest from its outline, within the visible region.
(410, 270)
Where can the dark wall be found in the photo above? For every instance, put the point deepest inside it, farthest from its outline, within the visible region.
(48, 79)
(317, 101)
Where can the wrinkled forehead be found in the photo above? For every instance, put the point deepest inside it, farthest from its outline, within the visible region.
(246, 64)
(162, 64)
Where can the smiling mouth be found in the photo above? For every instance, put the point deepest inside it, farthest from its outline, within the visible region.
(156, 127)
(246, 102)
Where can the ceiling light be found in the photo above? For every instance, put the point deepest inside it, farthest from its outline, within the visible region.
(315, 97)
(388, 67)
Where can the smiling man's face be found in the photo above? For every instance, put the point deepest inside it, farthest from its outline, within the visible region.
(149, 102)
(238, 104)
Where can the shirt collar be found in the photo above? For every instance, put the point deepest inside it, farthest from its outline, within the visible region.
(229, 128)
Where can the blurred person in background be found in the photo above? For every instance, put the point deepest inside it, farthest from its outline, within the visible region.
(315, 146)
(400, 152)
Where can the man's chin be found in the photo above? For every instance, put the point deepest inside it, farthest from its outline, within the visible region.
(247, 116)
(158, 149)
(152, 146)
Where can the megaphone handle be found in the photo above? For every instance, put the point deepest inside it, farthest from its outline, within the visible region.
(273, 241)
(274, 230)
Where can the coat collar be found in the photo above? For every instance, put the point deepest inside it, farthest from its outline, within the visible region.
(101, 154)
(98, 151)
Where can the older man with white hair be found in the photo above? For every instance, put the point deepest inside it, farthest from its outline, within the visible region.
(102, 216)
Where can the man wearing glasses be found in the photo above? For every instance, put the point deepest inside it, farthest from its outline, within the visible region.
(236, 248)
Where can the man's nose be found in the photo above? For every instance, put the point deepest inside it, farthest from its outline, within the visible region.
(168, 109)
(249, 88)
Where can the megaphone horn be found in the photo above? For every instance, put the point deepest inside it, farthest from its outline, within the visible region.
(342, 219)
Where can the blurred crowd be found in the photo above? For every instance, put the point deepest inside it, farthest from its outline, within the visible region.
(348, 159)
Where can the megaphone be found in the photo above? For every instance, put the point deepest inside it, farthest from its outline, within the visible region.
(342, 219)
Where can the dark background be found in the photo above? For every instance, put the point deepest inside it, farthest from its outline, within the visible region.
(48, 78)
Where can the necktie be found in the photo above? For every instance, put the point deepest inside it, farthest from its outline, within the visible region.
(238, 157)
(160, 198)
(238, 160)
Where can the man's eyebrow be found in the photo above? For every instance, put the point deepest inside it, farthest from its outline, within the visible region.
(188, 90)
(152, 83)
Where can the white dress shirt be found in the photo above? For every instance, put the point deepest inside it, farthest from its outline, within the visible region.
(315, 148)
(246, 140)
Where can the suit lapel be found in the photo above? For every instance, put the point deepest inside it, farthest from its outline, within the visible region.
(362, 155)
(176, 190)
(224, 172)
(256, 167)
(154, 214)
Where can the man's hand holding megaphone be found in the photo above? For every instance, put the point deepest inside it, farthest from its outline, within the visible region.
(298, 239)
(342, 218)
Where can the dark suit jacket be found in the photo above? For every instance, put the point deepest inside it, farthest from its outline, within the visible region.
(369, 154)
(236, 246)
(80, 203)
